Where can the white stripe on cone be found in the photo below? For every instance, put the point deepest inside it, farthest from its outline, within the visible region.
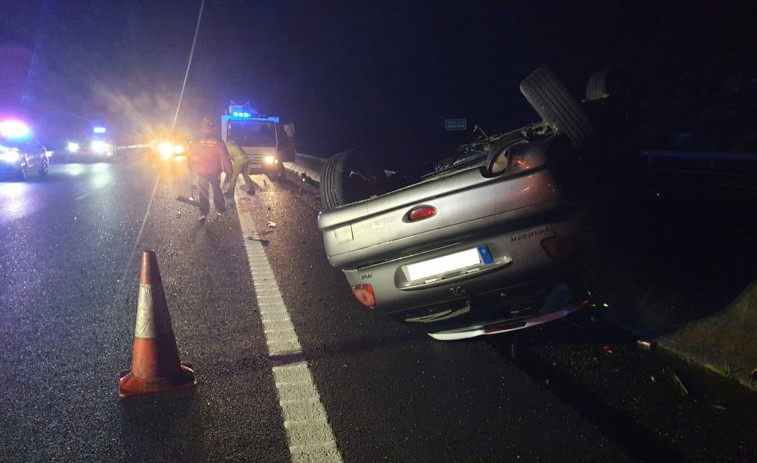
(152, 322)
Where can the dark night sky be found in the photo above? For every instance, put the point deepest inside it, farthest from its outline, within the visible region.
(380, 76)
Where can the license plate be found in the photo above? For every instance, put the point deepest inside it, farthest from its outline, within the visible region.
(463, 260)
(255, 166)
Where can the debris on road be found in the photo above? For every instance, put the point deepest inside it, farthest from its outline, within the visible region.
(188, 200)
(271, 224)
(673, 377)
(262, 241)
(646, 345)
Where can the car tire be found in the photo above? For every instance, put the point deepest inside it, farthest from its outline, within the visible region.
(613, 82)
(554, 104)
(597, 86)
(23, 172)
(346, 178)
(45, 167)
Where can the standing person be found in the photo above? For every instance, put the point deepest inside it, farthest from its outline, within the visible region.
(208, 157)
(240, 166)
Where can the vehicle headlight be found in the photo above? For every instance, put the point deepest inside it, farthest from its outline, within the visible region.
(178, 149)
(270, 160)
(166, 149)
(99, 147)
(10, 155)
(14, 129)
(72, 147)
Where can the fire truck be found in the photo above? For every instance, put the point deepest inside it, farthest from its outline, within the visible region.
(266, 142)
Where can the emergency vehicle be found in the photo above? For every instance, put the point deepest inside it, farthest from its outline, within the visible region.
(266, 142)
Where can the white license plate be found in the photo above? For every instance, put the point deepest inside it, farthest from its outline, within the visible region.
(449, 263)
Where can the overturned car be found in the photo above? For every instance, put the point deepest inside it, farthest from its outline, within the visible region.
(494, 239)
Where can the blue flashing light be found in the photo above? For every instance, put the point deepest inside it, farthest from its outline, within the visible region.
(241, 115)
(248, 116)
(99, 130)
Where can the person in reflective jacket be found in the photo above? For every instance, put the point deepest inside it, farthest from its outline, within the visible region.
(208, 157)
(240, 166)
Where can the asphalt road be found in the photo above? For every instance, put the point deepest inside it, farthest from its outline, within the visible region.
(577, 390)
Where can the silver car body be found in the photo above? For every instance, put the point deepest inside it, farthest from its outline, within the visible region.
(479, 264)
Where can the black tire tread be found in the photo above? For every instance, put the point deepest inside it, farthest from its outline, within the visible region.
(554, 104)
(596, 87)
(331, 186)
(44, 169)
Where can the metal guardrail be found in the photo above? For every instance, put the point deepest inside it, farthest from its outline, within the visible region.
(715, 156)
(713, 175)
(717, 163)
(307, 167)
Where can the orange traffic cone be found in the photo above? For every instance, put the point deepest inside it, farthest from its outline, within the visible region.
(155, 365)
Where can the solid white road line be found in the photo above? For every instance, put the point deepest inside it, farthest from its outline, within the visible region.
(308, 431)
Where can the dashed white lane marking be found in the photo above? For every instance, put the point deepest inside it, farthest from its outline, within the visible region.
(308, 431)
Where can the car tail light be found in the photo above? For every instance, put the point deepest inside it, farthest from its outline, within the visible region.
(420, 213)
(364, 294)
(570, 247)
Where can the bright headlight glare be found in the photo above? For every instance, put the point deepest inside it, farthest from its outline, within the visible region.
(9, 155)
(72, 147)
(269, 159)
(178, 149)
(14, 129)
(165, 149)
(99, 147)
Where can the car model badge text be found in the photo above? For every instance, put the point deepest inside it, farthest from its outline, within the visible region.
(529, 234)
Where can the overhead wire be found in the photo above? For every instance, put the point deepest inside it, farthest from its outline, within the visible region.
(189, 64)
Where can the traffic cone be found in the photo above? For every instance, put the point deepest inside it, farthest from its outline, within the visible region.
(155, 365)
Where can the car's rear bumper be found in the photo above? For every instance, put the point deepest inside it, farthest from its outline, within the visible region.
(519, 281)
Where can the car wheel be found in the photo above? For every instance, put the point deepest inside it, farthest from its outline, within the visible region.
(347, 177)
(610, 82)
(596, 87)
(552, 101)
(45, 167)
